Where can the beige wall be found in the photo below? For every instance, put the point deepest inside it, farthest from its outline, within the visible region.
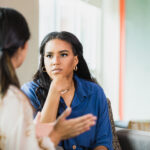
(29, 8)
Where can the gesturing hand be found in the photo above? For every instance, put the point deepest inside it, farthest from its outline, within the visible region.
(42, 129)
(64, 129)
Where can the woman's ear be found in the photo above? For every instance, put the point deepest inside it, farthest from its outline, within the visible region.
(25, 46)
(76, 60)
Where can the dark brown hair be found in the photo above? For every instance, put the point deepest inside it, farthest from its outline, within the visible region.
(42, 78)
(14, 32)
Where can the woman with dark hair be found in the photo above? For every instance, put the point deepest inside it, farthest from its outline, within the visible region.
(17, 130)
(64, 80)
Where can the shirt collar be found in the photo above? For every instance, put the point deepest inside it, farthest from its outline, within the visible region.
(82, 90)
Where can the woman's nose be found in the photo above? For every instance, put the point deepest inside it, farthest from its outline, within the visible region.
(56, 60)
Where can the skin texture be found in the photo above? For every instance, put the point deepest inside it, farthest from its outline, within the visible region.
(59, 59)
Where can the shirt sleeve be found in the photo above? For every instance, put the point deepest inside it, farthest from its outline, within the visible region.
(103, 128)
(29, 90)
(19, 129)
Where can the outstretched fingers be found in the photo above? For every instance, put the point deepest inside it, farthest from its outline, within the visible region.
(81, 124)
(86, 119)
(65, 114)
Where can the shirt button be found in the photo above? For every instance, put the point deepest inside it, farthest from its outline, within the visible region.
(74, 147)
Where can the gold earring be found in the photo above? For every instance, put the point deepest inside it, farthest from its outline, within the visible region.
(75, 68)
(43, 69)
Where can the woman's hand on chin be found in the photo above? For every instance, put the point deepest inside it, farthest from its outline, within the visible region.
(60, 84)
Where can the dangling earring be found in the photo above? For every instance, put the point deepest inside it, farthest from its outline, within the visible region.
(75, 68)
(43, 69)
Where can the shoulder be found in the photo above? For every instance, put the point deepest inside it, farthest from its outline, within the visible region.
(29, 89)
(29, 85)
(15, 94)
(15, 100)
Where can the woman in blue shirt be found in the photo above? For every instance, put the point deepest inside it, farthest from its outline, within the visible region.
(64, 80)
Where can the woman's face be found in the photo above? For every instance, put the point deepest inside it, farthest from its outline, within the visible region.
(59, 58)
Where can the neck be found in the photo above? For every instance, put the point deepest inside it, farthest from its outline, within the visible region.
(71, 82)
(68, 96)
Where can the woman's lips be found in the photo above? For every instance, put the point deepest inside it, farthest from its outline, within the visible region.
(55, 71)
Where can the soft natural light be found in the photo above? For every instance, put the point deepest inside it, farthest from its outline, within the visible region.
(78, 17)
(97, 27)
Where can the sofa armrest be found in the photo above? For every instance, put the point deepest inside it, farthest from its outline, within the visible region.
(133, 139)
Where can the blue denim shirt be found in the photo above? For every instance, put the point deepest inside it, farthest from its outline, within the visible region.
(89, 98)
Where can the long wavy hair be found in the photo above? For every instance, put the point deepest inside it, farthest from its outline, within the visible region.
(14, 32)
(42, 78)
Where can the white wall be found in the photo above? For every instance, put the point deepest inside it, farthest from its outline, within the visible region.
(29, 8)
(110, 52)
(96, 3)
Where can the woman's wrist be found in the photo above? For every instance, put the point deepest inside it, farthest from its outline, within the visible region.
(55, 137)
(54, 91)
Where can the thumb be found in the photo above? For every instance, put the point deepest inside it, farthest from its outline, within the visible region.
(65, 114)
(37, 118)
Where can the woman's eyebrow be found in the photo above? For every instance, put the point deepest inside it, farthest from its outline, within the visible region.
(63, 51)
(48, 52)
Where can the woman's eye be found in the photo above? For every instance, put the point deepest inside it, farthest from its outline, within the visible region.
(49, 56)
(64, 55)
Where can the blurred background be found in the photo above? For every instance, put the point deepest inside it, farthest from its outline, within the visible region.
(116, 39)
